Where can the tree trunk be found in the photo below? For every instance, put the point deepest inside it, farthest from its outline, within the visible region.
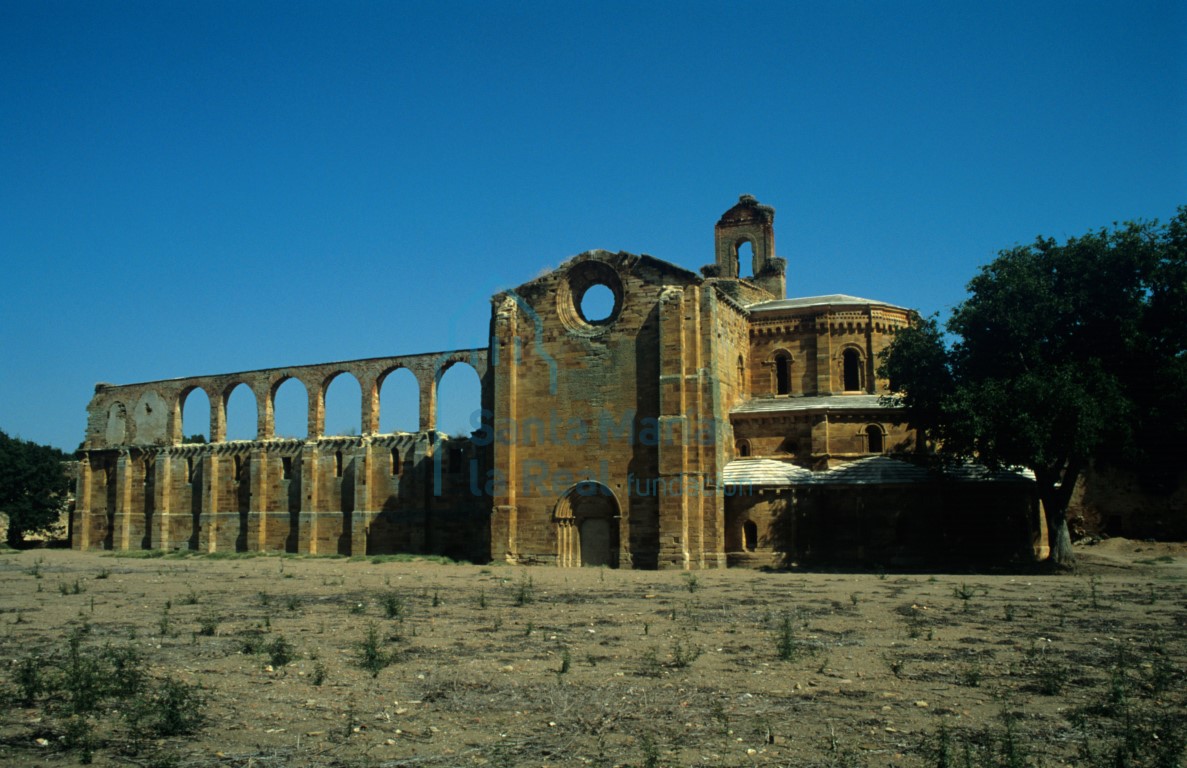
(1055, 491)
(15, 536)
(1059, 539)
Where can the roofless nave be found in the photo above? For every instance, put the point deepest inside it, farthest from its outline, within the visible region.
(702, 420)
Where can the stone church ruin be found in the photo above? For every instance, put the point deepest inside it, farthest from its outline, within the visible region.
(702, 420)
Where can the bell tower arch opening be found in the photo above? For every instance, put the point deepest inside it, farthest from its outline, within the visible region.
(744, 258)
(745, 247)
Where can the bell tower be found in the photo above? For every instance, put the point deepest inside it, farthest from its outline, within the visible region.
(750, 222)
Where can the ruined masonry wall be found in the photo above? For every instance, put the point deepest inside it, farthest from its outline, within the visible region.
(369, 494)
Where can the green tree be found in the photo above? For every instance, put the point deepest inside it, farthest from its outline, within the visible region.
(1062, 355)
(33, 486)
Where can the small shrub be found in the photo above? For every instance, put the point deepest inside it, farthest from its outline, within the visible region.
(524, 593)
(649, 664)
(691, 581)
(82, 678)
(684, 652)
(787, 646)
(29, 680)
(965, 594)
(207, 624)
(251, 641)
(127, 676)
(172, 708)
(371, 655)
(393, 606)
(78, 735)
(71, 589)
(280, 652)
(319, 673)
(650, 751)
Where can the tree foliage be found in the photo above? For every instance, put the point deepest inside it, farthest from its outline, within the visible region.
(33, 486)
(1062, 355)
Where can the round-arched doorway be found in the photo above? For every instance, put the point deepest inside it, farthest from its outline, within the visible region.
(587, 517)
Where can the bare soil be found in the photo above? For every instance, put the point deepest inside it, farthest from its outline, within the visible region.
(499, 665)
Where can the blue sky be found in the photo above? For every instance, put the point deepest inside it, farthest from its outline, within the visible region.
(207, 187)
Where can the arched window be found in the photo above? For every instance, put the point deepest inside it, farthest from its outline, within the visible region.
(852, 370)
(741, 375)
(459, 399)
(195, 416)
(343, 404)
(744, 258)
(290, 409)
(874, 439)
(743, 448)
(782, 373)
(749, 535)
(239, 405)
(399, 402)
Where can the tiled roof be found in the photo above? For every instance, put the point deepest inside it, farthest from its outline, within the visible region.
(773, 405)
(874, 470)
(765, 472)
(832, 299)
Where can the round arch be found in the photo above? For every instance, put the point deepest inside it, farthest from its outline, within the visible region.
(744, 268)
(457, 404)
(587, 517)
(399, 400)
(852, 368)
(288, 403)
(781, 361)
(875, 438)
(240, 411)
(191, 424)
(341, 405)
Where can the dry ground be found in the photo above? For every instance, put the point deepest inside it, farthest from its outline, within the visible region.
(499, 665)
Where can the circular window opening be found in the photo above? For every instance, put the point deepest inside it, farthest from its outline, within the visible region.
(597, 303)
(589, 298)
